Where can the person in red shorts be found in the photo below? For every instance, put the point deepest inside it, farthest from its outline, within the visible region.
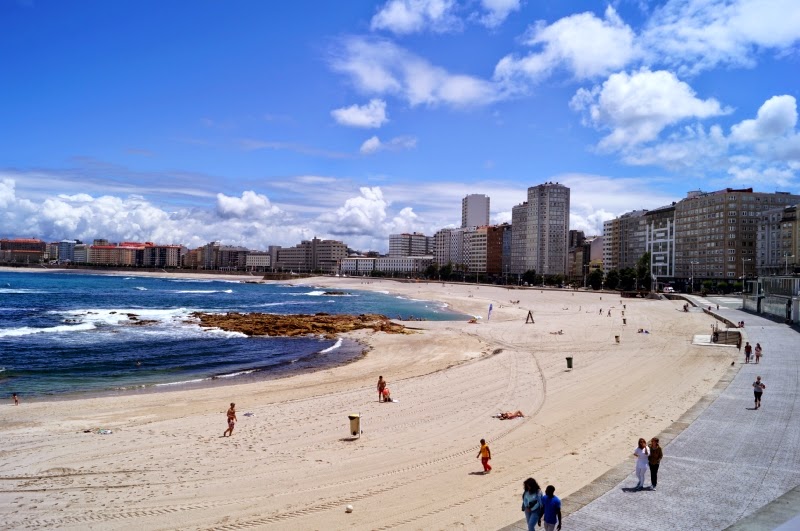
(485, 454)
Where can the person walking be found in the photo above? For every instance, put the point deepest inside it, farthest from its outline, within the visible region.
(231, 420)
(654, 460)
(758, 390)
(485, 454)
(381, 387)
(532, 503)
(748, 350)
(642, 455)
(758, 352)
(15, 398)
(552, 509)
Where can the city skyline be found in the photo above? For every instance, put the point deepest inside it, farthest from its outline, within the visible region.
(260, 122)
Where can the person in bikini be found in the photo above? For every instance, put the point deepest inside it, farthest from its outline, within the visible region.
(231, 420)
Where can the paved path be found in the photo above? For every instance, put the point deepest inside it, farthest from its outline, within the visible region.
(728, 463)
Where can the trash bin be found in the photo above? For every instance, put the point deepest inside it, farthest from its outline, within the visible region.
(569, 362)
(355, 424)
(624, 321)
(616, 338)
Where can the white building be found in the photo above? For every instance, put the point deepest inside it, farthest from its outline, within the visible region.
(414, 244)
(474, 211)
(475, 250)
(258, 261)
(448, 245)
(403, 264)
(357, 266)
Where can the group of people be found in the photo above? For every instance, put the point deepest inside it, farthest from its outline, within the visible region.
(647, 456)
(384, 395)
(748, 352)
(538, 507)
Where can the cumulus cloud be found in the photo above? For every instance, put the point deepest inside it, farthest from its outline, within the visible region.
(637, 107)
(374, 144)
(776, 117)
(696, 35)
(412, 16)
(250, 205)
(583, 44)
(497, 11)
(380, 67)
(371, 115)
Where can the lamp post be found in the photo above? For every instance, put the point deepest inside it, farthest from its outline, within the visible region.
(585, 276)
(786, 257)
(743, 273)
(691, 282)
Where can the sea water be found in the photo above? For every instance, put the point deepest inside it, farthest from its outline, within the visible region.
(65, 332)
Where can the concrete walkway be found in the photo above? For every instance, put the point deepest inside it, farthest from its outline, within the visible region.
(727, 465)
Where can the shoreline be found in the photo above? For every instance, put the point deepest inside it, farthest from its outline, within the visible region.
(291, 464)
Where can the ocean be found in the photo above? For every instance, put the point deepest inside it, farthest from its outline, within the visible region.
(64, 333)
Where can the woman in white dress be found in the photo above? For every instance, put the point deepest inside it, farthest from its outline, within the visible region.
(642, 455)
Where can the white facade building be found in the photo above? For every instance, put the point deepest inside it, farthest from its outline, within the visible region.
(357, 266)
(474, 211)
(540, 231)
(258, 261)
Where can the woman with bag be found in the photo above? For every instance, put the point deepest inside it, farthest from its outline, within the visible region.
(532, 503)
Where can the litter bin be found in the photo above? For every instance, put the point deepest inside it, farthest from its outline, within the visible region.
(569, 362)
(355, 424)
(624, 321)
(616, 338)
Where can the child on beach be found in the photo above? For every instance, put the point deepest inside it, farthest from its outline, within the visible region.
(485, 454)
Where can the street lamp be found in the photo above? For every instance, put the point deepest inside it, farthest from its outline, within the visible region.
(693, 263)
(786, 257)
(585, 276)
(743, 273)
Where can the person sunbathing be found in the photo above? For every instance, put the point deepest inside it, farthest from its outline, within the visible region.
(508, 415)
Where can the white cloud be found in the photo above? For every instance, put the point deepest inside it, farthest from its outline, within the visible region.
(583, 44)
(696, 35)
(637, 107)
(371, 115)
(374, 144)
(380, 67)
(412, 16)
(691, 150)
(497, 11)
(776, 117)
(251, 205)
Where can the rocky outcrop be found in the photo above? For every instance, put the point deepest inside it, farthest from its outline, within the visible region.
(264, 324)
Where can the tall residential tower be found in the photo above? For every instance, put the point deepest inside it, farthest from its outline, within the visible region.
(540, 229)
(475, 211)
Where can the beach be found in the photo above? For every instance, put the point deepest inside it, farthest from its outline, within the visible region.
(291, 463)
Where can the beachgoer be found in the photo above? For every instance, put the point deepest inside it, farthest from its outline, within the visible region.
(758, 389)
(654, 460)
(601, 311)
(748, 350)
(387, 395)
(609, 313)
(485, 454)
(552, 509)
(510, 415)
(642, 455)
(15, 398)
(717, 306)
(532, 502)
(231, 420)
(758, 352)
(381, 386)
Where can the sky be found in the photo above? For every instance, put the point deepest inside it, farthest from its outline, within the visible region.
(265, 123)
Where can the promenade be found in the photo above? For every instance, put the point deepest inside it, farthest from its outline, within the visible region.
(731, 465)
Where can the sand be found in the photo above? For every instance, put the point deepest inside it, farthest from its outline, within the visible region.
(293, 465)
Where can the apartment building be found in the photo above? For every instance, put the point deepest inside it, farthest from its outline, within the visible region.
(403, 264)
(660, 241)
(257, 261)
(22, 250)
(448, 245)
(474, 211)
(312, 255)
(66, 250)
(475, 242)
(716, 232)
(161, 255)
(357, 265)
(498, 249)
(777, 241)
(540, 228)
(414, 244)
(624, 240)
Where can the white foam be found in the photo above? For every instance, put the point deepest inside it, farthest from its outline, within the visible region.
(231, 375)
(198, 380)
(20, 291)
(140, 288)
(26, 330)
(313, 293)
(224, 333)
(334, 347)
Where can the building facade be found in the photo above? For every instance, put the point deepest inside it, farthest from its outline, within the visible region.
(540, 229)
(660, 242)
(777, 241)
(474, 211)
(414, 244)
(312, 255)
(23, 250)
(624, 240)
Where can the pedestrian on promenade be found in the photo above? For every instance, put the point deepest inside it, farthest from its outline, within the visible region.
(381, 387)
(231, 420)
(654, 460)
(642, 455)
(552, 509)
(748, 350)
(758, 352)
(532, 503)
(485, 454)
(758, 390)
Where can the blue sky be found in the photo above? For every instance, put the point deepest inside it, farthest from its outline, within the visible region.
(260, 123)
